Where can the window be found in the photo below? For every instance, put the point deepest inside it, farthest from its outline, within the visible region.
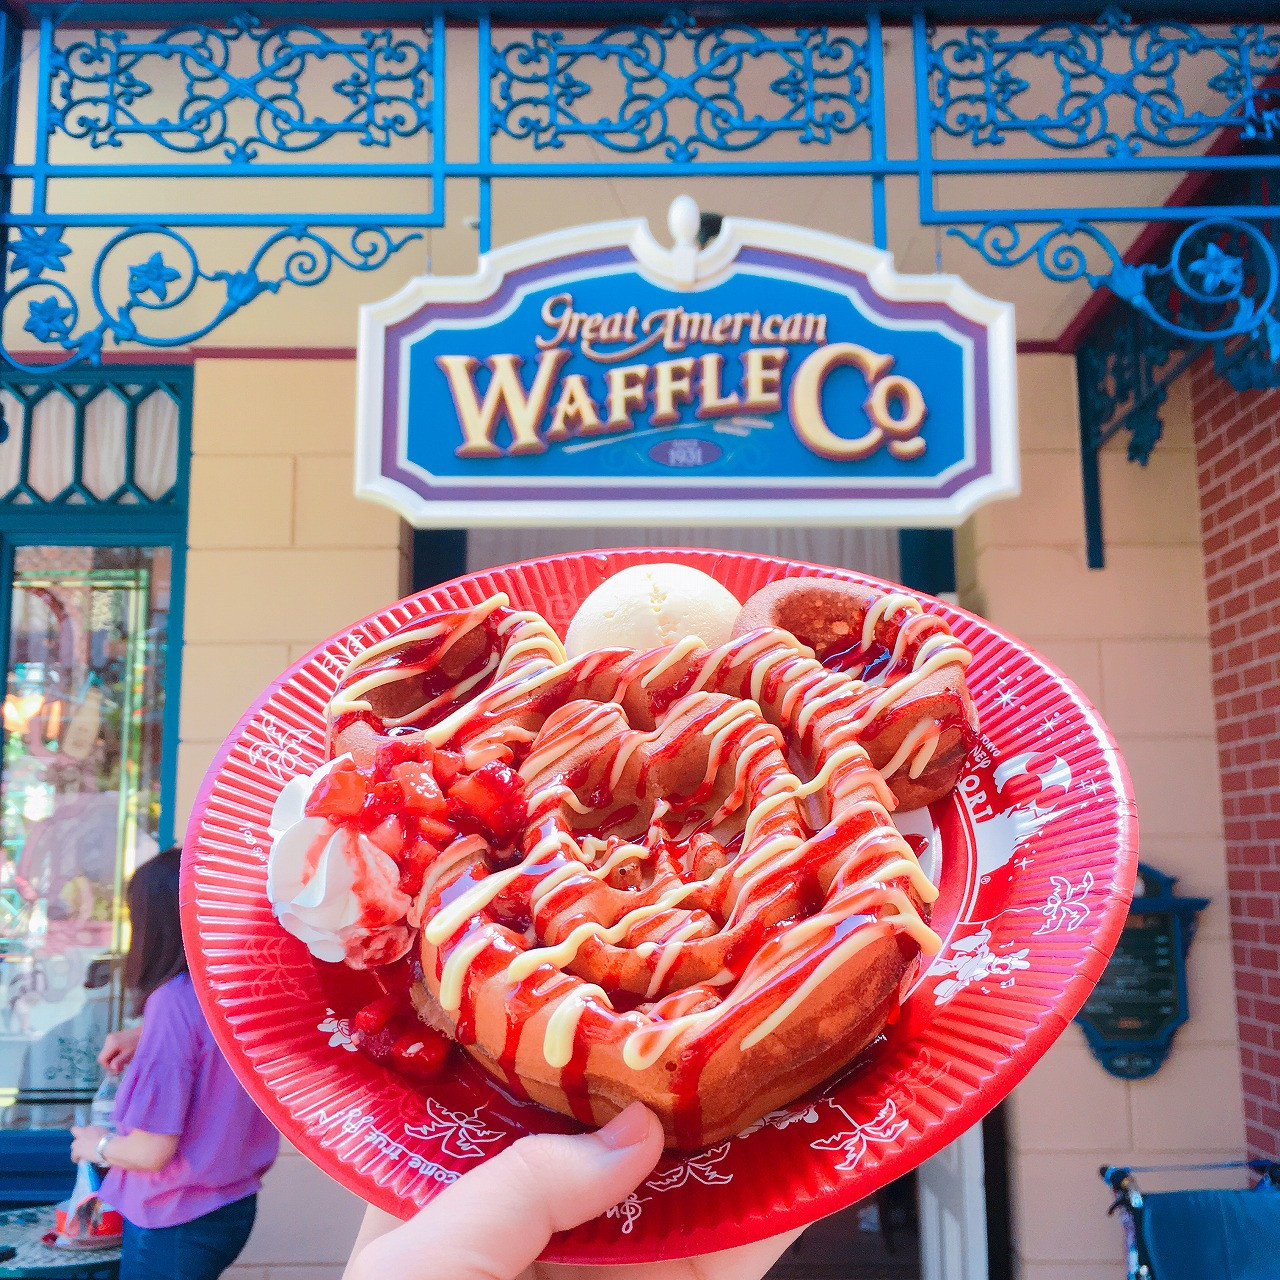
(92, 538)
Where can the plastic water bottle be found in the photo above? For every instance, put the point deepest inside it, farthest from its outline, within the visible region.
(104, 1102)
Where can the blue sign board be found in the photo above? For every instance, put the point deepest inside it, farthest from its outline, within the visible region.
(1141, 999)
(596, 377)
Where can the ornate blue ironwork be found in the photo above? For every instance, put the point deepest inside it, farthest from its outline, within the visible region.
(1254, 363)
(1122, 85)
(1220, 280)
(819, 81)
(125, 292)
(1129, 360)
(1132, 355)
(226, 98)
(1124, 369)
(104, 88)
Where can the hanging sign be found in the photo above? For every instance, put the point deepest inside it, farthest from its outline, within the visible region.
(595, 377)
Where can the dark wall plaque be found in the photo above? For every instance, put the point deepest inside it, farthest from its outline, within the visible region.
(1141, 998)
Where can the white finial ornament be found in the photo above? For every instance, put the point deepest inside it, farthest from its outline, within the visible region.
(683, 221)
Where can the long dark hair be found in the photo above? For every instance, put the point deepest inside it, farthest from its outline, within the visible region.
(156, 953)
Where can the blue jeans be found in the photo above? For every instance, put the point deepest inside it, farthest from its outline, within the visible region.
(201, 1249)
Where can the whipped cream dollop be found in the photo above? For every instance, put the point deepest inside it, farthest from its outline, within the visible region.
(332, 887)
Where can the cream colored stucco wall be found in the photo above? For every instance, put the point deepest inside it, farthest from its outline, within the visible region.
(281, 556)
(281, 553)
(1134, 636)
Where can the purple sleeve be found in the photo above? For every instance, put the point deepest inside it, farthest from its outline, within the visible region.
(156, 1093)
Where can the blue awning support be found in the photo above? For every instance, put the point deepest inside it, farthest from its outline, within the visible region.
(1130, 357)
(1123, 372)
(253, 102)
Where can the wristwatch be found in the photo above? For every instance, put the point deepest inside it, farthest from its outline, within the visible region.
(100, 1151)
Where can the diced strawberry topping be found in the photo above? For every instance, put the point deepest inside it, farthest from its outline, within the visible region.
(420, 1053)
(383, 800)
(447, 766)
(438, 832)
(401, 751)
(493, 798)
(415, 864)
(421, 791)
(375, 1016)
(389, 836)
(339, 794)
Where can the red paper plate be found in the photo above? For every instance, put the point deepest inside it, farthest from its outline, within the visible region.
(1039, 845)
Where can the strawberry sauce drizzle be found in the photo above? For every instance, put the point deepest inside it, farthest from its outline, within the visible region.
(557, 878)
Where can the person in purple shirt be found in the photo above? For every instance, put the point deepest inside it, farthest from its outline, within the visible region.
(190, 1148)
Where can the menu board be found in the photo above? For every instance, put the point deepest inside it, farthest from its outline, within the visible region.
(1140, 998)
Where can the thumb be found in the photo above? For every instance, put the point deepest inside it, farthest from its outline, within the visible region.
(496, 1220)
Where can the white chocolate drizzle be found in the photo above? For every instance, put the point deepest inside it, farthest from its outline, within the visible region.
(723, 705)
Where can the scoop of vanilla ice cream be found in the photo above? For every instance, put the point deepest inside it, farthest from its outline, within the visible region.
(651, 605)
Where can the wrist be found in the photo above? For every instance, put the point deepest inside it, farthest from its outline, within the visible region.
(100, 1151)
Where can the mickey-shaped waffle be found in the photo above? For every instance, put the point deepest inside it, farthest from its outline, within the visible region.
(666, 874)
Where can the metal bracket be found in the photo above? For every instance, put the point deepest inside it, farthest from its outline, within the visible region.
(1130, 358)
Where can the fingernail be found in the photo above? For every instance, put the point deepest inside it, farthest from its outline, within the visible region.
(626, 1128)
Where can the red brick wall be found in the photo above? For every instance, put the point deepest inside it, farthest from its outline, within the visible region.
(1238, 459)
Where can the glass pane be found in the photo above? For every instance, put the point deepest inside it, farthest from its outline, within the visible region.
(105, 430)
(53, 446)
(12, 434)
(155, 469)
(79, 806)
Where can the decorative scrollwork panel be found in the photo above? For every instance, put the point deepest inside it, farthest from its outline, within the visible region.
(1219, 282)
(1118, 85)
(1125, 368)
(679, 88)
(1253, 362)
(242, 89)
(145, 272)
(319, 145)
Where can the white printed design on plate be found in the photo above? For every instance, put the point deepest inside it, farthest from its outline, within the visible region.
(338, 1030)
(461, 1134)
(337, 658)
(971, 960)
(629, 1211)
(700, 1168)
(782, 1119)
(850, 1140)
(354, 1121)
(249, 838)
(281, 752)
(886, 1125)
(890, 1122)
(1065, 907)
